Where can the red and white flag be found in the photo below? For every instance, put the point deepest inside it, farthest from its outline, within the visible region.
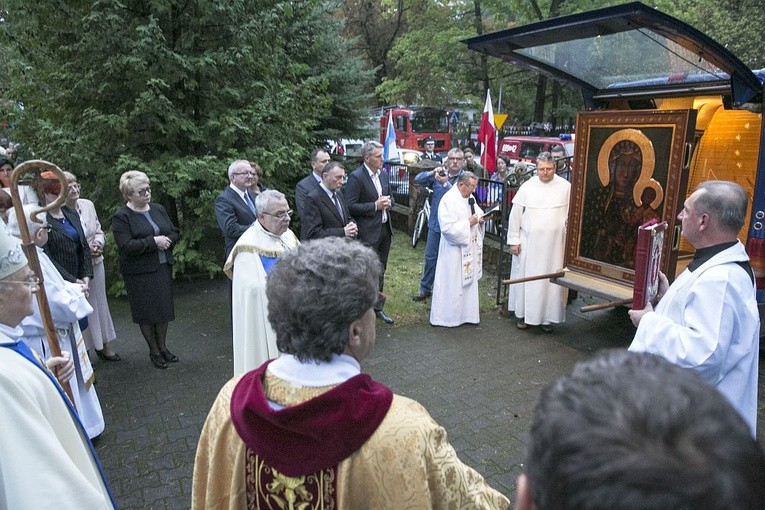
(486, 136)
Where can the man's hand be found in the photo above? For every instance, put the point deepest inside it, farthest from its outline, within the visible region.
(474, 219)
(663, 286)
(637, 315)
(515, 249)
(351, 230)
(441, 179)
(383, 202)
(61, 366)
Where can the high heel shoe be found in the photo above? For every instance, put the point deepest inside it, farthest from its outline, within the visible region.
(112, 357)
(157, 360)
(169, 356)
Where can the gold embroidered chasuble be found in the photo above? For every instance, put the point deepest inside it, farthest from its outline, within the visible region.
(406, 463)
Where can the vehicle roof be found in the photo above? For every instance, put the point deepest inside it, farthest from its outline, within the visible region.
(625, 51)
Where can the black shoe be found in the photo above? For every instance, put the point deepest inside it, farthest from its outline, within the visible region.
(169, 357)
(157, 360)
(384, 316)
(422, 296)
(113, 357)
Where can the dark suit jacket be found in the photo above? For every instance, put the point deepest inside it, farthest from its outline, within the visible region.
(360, 195)
(233, 215)
(135, 238)
(70, 256)
(306, 185)
(320, 217)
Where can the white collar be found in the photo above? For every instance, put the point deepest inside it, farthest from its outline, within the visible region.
(238, 191)
(315, 374)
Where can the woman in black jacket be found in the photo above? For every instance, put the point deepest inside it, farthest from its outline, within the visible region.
(67, 245)
(145, 236)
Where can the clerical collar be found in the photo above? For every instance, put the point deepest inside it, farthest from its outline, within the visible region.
(704, 254)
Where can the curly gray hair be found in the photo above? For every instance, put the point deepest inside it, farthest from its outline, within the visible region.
(316, 291)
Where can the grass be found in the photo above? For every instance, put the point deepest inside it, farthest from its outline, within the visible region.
(402, 281)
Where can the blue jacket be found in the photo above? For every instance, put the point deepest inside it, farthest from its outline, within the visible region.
(428, 180)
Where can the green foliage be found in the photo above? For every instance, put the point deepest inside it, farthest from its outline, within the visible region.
(178, 89)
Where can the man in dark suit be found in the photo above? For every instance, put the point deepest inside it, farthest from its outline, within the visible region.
(319, 159)
(235, 207)
(369, 201)
(325, 211)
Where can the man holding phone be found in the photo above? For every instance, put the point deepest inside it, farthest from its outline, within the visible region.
(440, 180)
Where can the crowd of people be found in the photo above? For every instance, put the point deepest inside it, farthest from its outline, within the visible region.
(299, 420)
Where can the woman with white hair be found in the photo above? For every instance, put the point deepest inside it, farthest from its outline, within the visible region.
(67, 304)
(100, 332)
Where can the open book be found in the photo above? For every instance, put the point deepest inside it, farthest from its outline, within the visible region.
(650, 243)
(492, 210)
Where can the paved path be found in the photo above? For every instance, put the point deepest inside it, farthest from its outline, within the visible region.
(479, 382)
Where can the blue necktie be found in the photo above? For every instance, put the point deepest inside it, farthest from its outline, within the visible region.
(248, 201)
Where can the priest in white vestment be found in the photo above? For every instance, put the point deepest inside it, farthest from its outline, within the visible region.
(46, 459)
(67, 303)
(460, 256)
(536, 233)
(248, 264)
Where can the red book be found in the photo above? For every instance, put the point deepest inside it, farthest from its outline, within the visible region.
(650, 243)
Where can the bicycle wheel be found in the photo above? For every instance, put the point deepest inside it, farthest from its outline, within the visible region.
(418, 226)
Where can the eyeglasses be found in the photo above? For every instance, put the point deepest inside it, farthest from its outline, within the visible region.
(144, 192)
(455, 159)
(280, 214)
(31, 282)
(248, 174)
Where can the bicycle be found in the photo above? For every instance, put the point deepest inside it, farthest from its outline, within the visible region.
(423, 215)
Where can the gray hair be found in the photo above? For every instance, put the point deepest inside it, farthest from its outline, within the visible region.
(34, 226)
(130, 180)
(725, 201)
(236, 165)
(331, 166)
(466, 176)
(316, 291)
(265, 198)
(545, 157)
(369, 147)
(454, 151)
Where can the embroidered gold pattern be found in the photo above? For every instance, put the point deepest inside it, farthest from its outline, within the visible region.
(269, 489)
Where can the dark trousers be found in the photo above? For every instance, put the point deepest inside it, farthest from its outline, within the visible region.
(382, 247)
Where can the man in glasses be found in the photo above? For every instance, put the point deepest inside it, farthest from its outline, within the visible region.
(439, 180)
(235, 206)
(42, 438)
(251, 259)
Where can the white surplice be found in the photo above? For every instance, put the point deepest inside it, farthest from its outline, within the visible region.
(459, 265)
(67, 304)
(254, 339)
(538, 223)
(708, 321)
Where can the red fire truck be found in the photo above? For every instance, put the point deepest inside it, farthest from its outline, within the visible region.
(413, 124)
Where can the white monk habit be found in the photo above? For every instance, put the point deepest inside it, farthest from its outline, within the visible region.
(46, 459)
(251, 259)
(459, 265)
(538, 223)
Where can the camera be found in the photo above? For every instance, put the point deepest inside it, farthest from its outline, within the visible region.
(442, 172)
